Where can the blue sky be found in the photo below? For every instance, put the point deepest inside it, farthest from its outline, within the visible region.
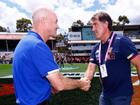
(68, 11)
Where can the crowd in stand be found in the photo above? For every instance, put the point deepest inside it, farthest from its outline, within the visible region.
(61, 58)
(6, 57)
(65, 58)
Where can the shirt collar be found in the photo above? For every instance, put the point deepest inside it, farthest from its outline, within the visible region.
(108, 39)
(35, 34)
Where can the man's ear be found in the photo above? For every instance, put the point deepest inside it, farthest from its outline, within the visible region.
(106, 23)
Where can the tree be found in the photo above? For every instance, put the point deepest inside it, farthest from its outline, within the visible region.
(63, 46)
(115, 23)
(76, 26)
(78, 23)
(123, 19)
(89, 23)
(2, 29)
(61, 41)
(23, 25)
(59, 37)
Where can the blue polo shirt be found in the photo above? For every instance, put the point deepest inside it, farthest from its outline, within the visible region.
(33, 61)
(118, 82)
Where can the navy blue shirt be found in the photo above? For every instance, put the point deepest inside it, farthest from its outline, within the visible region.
(33, 61)
(122, 50)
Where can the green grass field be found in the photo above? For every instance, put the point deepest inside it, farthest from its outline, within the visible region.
(6, 69)
(71, 97)
(79, 67)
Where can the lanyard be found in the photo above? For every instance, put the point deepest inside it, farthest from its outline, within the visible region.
(110, 42)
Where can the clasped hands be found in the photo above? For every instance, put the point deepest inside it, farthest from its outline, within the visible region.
(85, 84)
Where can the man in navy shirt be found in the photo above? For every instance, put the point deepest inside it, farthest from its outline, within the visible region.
(113, 56)
(35, 72)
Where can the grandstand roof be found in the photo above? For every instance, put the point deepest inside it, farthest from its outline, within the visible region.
(13, 36)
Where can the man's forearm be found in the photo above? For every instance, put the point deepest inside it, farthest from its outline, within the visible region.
(89, 75)
(71, 83)
(83, 84)
(90, 71)
(139, 74)
(59, 82)
(138, 70)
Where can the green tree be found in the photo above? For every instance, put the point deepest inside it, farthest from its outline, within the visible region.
(2, 29)
(23, 25)
(60, 42)
(89, 23)
(123, 20)
(59, 37)
(64, 46)
(115, 23)
(78, 23)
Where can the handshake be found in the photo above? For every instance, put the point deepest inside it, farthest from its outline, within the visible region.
(69, 83)
(85, 84)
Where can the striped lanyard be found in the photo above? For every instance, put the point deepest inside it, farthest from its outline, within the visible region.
(110, 42)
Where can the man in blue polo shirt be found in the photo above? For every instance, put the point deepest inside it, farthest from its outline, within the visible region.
(113, 56)
(35, 72)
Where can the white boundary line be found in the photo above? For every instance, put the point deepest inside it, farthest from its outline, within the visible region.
(75, 74)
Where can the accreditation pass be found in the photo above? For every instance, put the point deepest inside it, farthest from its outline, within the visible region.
(103, 71)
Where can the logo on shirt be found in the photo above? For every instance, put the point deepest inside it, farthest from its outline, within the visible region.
(111, 54)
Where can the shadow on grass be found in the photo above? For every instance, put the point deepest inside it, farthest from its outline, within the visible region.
(72, 97)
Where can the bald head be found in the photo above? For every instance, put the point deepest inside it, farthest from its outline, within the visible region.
(44, 22)
(42, 12)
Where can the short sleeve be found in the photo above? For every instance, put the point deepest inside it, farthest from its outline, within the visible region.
(127, 48)
(94, 55)
(43, 59)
